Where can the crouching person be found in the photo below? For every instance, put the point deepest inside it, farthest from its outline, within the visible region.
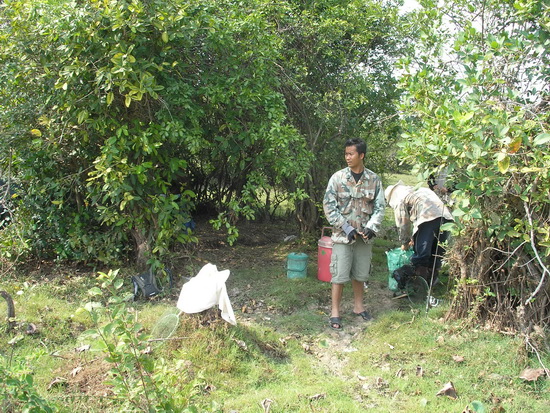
(425, 212)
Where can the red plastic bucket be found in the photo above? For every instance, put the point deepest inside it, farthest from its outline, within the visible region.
(324, 252)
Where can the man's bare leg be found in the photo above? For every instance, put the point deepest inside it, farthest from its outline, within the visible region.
(337, 290)
(358, 288)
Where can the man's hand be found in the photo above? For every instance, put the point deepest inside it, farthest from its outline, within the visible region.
(368, 234)
(350, 231)
(407, 245)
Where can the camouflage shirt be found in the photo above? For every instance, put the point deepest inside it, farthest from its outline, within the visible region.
(421, 205)
(361, 204)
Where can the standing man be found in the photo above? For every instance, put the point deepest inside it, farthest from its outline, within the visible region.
(354, 206)
(425, 212)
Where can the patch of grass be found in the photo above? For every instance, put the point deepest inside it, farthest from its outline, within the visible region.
(407, 179)
(404, 360)
(281, 349)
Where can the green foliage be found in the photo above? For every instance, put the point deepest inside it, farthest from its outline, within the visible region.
(142, 108)
(139, 381)
(122, 118)
(337, 78)
(281, 349)
(476, 102)
(17, 390)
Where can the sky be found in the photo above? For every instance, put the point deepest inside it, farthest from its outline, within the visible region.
(409, 5)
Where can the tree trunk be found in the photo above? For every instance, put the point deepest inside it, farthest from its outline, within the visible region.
(143, 249)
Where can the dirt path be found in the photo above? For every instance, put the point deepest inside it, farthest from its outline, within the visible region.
(258, 248)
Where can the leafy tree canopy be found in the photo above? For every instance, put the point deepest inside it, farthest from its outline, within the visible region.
(477, 103)
(121, 118)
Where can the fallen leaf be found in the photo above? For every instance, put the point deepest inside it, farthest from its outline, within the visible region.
(380, 382)
(57, 381)
(390, 346)
(31, 329)
(400, 373)
(241, 344)
(531, 374)
(76, 370)
(317, 396)
(440, 340)
(419, 371)
(458, 359)
(80, 349)
(448, 390)
(266, 404)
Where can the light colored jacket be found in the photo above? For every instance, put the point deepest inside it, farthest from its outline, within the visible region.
(416, 207)
(361, 204)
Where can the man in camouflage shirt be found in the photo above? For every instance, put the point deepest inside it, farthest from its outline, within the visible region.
(425, 212)
(354, 206)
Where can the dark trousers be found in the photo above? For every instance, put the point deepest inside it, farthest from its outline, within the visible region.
(427, 250)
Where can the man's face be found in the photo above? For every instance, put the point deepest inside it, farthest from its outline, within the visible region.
(353, 158)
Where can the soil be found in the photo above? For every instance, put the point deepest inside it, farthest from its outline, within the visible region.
(258, 245)
(260, 242)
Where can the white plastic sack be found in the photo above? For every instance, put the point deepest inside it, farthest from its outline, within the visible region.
(204, 291)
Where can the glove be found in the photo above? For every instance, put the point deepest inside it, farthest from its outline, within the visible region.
(350, 231)
(369, 233)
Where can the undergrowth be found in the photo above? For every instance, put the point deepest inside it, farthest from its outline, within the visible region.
(280, 357)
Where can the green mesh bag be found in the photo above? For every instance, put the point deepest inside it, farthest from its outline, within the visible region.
(396, 259)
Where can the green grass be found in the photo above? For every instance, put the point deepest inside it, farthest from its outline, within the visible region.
(399, 346)
(282, 350)
(407, 179)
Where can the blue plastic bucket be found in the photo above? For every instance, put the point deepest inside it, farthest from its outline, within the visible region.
(296, 265)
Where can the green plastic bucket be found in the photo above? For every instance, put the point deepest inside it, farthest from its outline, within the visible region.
(296, 265)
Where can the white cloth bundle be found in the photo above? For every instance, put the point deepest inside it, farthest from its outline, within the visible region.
(204, 291)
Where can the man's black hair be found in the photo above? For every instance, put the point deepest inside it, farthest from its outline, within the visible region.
(359, 144)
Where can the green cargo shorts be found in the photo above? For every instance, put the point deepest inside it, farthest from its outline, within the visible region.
(350, 262)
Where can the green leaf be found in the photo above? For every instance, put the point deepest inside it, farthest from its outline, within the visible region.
(457, 212)
(91, 306)
(82, 116)
(449, 226)
(165, 37)
(95, 291)
(542, 139)
(504, 164)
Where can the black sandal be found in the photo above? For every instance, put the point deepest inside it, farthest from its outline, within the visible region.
(335, 323)
(366, 316)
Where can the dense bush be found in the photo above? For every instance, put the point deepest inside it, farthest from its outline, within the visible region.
(477, 103)
(124, 117)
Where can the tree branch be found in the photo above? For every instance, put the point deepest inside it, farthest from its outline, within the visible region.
(539, 260)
